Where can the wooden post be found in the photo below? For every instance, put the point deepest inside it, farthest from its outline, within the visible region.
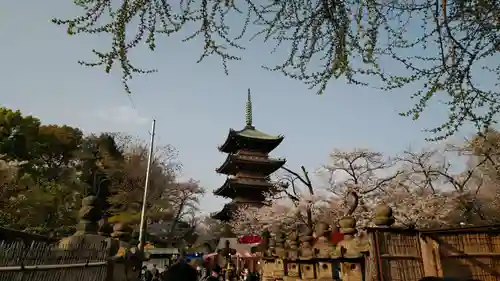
(430, 256)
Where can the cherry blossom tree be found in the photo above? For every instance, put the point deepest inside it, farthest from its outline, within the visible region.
(361, 173)
(420, 187)
(185, 198)
(298, 204)
(291, 180)
(485, 148)
(285, 213)
(415, 207)
(434, 175)
(209, 227)
(412, 208)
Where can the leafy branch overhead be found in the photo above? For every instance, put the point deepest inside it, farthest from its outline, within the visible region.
(438, 50)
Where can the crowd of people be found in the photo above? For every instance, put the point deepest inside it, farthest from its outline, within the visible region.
(185, 270)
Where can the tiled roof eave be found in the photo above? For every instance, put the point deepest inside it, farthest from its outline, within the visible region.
(246, 182)
(276, 140)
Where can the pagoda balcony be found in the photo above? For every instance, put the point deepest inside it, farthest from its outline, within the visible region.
(242, 201)
(247, 152)
(248, 180)
(235, 163)
(250, 176)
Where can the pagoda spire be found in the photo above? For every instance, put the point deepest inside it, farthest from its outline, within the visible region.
(248, 111)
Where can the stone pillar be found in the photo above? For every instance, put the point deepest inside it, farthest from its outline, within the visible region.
(383, 216)
(89, 214)
(293, 246)
(348, 246)
(87, 227)
(383, 219)
(351, 247)
(86, 238)
(306, 254)
(306, 250)
(322, 246)
(124, 269)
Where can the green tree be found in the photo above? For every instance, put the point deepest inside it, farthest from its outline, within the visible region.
(40, 190)
(99, 160)
(56, 149)
(433, 49)
(8, 189)
(47, 208)
(37, 204)
(18, 134)
(48, 149)
(45, 170)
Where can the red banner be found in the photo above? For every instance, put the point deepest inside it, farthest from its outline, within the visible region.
(249, 239)
(337, 237)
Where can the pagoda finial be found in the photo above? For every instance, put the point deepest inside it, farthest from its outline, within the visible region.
(248, 111)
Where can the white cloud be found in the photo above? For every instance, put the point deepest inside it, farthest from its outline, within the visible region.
(120, 115)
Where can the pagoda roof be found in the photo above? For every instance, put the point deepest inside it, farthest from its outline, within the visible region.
(252, 133)
(228, 189)
(249, 134)
(226, 213)
(228, 167)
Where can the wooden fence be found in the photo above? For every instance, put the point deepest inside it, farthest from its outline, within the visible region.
(398, 255)
(7, 234)
(41, 261)
(464, 253)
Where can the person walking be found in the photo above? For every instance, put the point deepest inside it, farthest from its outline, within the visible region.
(163, 274)
(156, 273)
(148, 276)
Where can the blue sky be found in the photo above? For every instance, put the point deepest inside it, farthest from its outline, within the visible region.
(194, 104)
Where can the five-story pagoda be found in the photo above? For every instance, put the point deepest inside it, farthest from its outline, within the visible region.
(248, 166)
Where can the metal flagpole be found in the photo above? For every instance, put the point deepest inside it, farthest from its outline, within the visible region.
(142, 234)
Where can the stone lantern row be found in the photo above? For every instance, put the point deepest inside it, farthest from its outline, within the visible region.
(316, 243)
